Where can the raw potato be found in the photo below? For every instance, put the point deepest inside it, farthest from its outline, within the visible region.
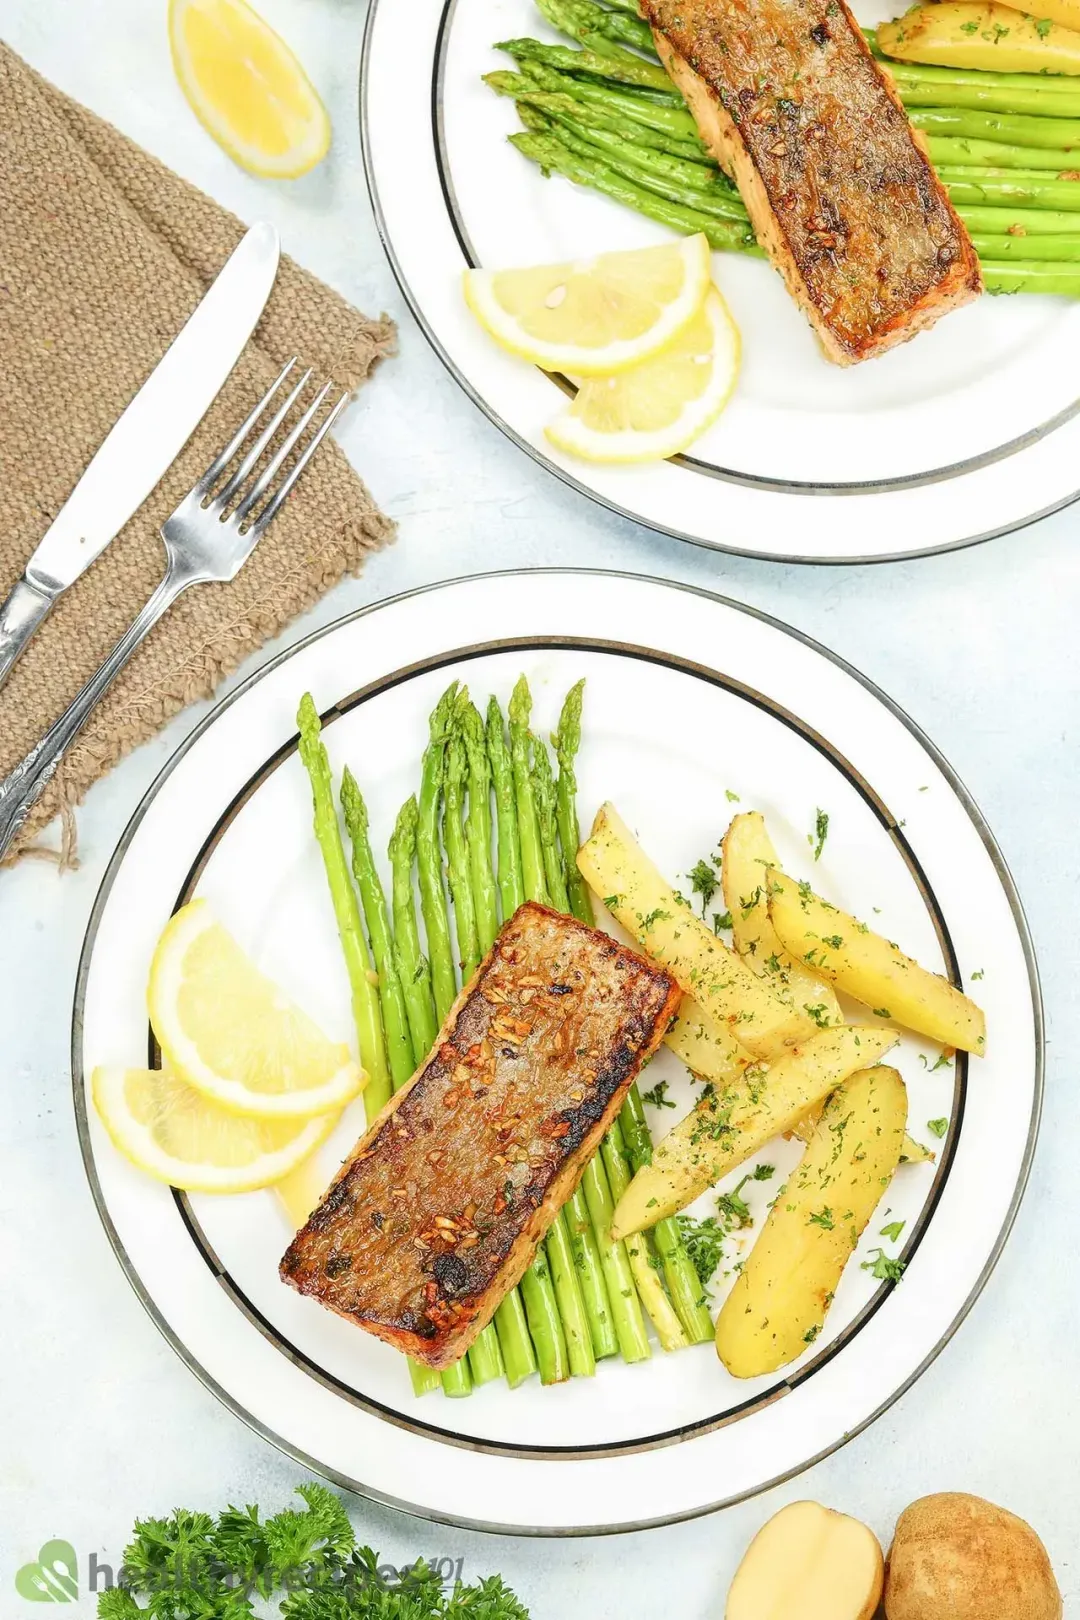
(809, 1563)
(959, 1556)
(748, 855)
(706, 1047)
(622, 876)
(780, 1302)
(872, 969)
(962, 35)
(728, 1126)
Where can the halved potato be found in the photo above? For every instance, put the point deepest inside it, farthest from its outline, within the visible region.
(808, 1563)
(785, 1289)
(748, 857)
(623, 877)
(871, 968)
(731, 1123)
(706, 1047)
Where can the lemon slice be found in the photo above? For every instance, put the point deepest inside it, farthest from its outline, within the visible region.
(176, 1134)
(598, 316)
(233, 1035)
(662, 406)
(246, 87)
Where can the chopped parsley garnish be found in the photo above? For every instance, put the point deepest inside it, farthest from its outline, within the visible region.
(893, 1231)
(817, 838)
(732, 798)
(720, 920)
(659, 915)
(657, 1095)
(1043, 26)
(704, 1243)
(938, 1126)
(811, 1333)
(881, 1012)
(824, 1219)
(885, 1270)
(978, 974)
(943, 1062)
(703, 881)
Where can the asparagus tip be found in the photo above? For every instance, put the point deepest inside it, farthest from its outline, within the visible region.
(353, 804)
(520, 708)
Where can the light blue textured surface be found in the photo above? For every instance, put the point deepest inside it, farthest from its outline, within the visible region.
(101, 1420)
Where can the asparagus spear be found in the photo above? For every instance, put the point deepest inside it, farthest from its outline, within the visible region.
(544, 791)
(365, 999)
(981, 99)
(620, 102)
(955, 151)
(429, 864)
(1044, 85)
(580, 19)
(554, 157)
(1063, 279)
(1001, 189)
(1013, 129)
(511, 887)
(707, 186)
(650, 1288)
(413, 970)
(650, 174)
(1021, 222)
(399, 1047)
(545, 1325)
(457, 854)
(626, 1308)
(1032, 249)
(622, 69)
(566, 740)
(478, 827)
(588, 117)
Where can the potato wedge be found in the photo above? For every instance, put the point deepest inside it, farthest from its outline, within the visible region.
(870, 968)
(960, 34)
(782, 1297)
(706, 1047)
(911, 1152)
(748, 856)
(809, 1563)
(619, 872)
(729, 1124)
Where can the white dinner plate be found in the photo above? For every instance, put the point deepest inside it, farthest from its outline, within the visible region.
(967, 431)
(693, 705)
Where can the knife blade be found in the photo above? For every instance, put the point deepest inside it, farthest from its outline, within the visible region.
(146, 439)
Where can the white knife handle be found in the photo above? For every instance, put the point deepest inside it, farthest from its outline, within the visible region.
(20, 616)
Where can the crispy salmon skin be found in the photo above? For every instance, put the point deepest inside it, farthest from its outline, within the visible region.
(790, 101)
(438, 1211)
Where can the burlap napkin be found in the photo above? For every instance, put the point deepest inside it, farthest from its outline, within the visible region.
(103, 255)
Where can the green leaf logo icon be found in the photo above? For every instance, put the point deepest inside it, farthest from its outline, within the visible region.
(54, 1578)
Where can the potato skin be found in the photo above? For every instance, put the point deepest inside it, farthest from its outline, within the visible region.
(959, 1556)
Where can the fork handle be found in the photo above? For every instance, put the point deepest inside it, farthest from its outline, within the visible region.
(20, 616)
(20, 791)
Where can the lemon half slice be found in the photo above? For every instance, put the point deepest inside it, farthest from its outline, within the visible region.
(233, 1035)
(661, 406)
(246, 87)
(598, 316)
(176, 1134)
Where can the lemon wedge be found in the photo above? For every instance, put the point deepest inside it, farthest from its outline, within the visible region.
(661, 406)
(246, 87)
(598, 316)
(176, 1134)
(230, 1033)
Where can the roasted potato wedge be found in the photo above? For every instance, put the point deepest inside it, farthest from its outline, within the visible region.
(623, 877)
(960, 34)
(871, 968)
(748, 856)
(706, 1047)
(731, 1123)
(782, 1297)
(912, 1152)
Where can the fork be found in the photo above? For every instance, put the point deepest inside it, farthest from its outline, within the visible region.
(205, 540)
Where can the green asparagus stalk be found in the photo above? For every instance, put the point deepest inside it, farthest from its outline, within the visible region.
(413, 970)
(626, 1307)
(1060, 87)
(1013, 129)
(532, 856)
(980, 99)
(457, 854)
(545, 1325)
(429, 863)
(580, 19)
(571, 1301)
(1021, 222)
(699, 186)
(651, 171)
(544, 792)
(1063, 279)
(478, 828)
(680, 1274)
(630, 6)
(619, 102)
(1062, 249)
(365, 998)
(622, 69)
(976, 187)
(511, 886)
(566, 740)
(651, 1291)
(955, 151)
(555, 158)
(399, 1047)
(586, 117)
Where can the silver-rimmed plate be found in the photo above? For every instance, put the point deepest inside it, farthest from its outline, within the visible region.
(691, 701)
(966, 432)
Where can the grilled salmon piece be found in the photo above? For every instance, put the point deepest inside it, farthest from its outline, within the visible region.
(841, 195)
(440, 1208)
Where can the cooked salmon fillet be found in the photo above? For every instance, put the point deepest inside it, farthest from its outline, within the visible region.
(792, 104)
(439, 1210)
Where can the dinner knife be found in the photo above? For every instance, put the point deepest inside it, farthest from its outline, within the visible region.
(146, 439)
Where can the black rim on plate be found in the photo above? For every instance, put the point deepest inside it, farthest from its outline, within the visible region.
(79, 1084)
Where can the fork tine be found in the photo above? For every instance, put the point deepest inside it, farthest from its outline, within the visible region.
(225, 495)
(218, 465)
(262, 483)
(273, 505)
